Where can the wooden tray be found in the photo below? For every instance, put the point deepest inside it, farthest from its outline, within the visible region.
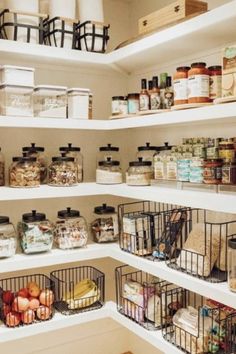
(225, 100)
(142, 113)
(180, 107)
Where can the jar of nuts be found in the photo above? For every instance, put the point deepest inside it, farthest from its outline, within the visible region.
(24, 172)
(2, 169)
(38, 152)
(63, 171)
(74, 151)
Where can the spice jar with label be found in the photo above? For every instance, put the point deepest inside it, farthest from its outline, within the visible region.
(160, 161)
(215, 73)
(35, 233)
(198, 83)
(50, 101)
(105, 226)
(147, 152)
(133, 103)
(229, 172)
(168, 94)
(212, 173)
(62, 172)
(74, 151)
(24, 172)
(232, 264)
(38, 153)
(155, 98)
(2, 169)
(181, 85)
(108, 172)
(144, 97)
(119, 105)
(109, 151)
(226, 150)
(8, 238)
(139, 173)
(71, 230)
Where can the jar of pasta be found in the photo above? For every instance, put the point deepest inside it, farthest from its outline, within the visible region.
(74, 151)
(24, 172)
(38, 153)
(105, 225)
(62, 172)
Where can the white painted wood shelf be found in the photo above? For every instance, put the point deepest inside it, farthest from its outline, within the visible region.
(221, 113)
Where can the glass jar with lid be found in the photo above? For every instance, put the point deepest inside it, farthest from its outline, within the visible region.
(232, 264)
(109, 151)
(139, 173)
(35, 232)
(147, 152)
(38, 152)
(160, 161)
(62, 172)
(24, 172)
(198, 83)
(7, 238)
(108, 172)
(105, 226)
(74, 151)
(71, 229)
(226, 150)
(2, 169)
(50, 101)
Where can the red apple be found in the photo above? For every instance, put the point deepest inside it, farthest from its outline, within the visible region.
(43, 313)
(46, 297)
(23, 292)
(7, 297)
(12, 319)
(33, 289)
(28, 316)
(20, 304)
(33, 303)
(6, 309)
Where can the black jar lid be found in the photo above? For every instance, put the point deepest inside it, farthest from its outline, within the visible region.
(34, 216)
(69, 148)
(215, 67)
(140, 162)
(108, 148)
(232, 243)
(68, 213)
(4, 220)
(118, 98)
(183, 68)
(133, 95)
(104, 209)
(147, 147)
(164, 147)
(109, 162)
(24, 158)
(63, 157)
(201, 64)
(33, 148)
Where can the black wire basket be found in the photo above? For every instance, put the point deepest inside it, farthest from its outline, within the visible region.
(200, 325)
(78, 289)
(203, 252)
(92, 36)
(26, 300)
(138, 297)
(11, 25)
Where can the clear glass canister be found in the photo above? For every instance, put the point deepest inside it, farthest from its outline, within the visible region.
(71, 230)
(50, 101)
(24, 172)
(35, 233)
(146, 152)
(139, 173)
(38, 153)
(2, 169)
(105, 226)
(232, 264)
(108, 172)
(62, 172)
(7, 238)
(74, 151)
(109, 151)
(16, 100)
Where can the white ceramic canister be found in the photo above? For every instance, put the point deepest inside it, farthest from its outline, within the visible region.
(78, 103)
(31, 6)
(90, 10)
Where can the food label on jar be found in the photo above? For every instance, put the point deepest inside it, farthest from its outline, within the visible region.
(226, 175)
(198, 86)
(155, 101)
(143, 102)
(181, 89)
(123, 107)
(159, 171)
(115, 107)
(133, 106)
(227, 154)
(168, 99)
(171, 170)
(212, 174)
(215, 86)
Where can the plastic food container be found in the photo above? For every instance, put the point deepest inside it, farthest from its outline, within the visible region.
(139, 173)
(74, 151)
(38, 153)
(50, 101)
(7, 238)
(105, 226)
(78, 103)
(16, 75)
(35, 233)
(2, 169)
(16, 100)
(108, 172)
(62, 172)
(108, 152)
(232, 264)
(24, 172)
(71, 230)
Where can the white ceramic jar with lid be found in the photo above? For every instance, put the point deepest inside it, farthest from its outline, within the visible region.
(16, 75)
(108, 172)
(71, 229)
(78, 103)
(8, 241)
(16, 100)
(105, 226)
(50, 101)
(139, 173)
(74, 151)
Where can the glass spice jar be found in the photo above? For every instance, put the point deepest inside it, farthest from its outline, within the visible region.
(119, 105)
(74, 151)
(62, 172)
(7, 238)
(198, 83)
(35, 233)
(212, 173)
(24, 172)
(105, 226)
(181, 85)
(139, 173)
(108, 172)
(226, 150)
(2, 169)
(232, 264)
(71, 230)
(229, 172)
(215, 73)
(38, 153)
(133, 103)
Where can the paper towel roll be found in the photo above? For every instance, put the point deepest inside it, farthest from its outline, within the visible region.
(90, 10)
(63, 8)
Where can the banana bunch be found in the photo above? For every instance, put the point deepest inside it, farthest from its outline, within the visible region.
(85, 294)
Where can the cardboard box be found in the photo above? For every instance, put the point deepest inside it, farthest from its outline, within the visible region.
(171, 13)
(229, 71)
